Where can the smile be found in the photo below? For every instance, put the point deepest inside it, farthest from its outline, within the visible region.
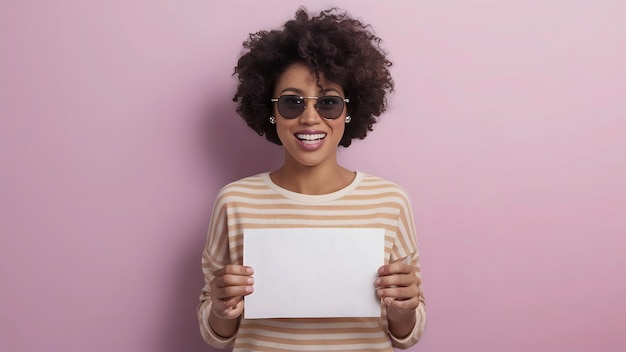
(310, 138)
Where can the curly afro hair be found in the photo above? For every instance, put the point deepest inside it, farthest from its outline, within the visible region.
(342, 49)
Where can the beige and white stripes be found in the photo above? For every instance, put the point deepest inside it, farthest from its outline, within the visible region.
(256, 202)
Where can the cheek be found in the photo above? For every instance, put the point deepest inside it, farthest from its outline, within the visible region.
(282, 130)
(339, 126)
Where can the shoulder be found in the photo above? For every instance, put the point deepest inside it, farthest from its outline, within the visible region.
(243, 183)
(379, 183)
(380, 187)
(250, 186)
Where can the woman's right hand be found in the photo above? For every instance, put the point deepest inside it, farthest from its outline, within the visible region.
(230, 285)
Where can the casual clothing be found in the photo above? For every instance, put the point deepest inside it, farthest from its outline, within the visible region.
(256, 202)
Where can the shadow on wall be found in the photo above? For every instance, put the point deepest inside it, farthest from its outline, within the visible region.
(229, 150)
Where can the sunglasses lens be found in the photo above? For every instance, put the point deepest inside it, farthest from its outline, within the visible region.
(290, 106)
(330, 107)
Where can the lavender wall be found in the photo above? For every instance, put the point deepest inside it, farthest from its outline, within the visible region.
(508, 128)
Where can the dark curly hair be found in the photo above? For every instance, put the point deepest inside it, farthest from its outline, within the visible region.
(342, 49)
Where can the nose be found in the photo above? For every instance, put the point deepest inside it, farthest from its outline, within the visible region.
(310, 115)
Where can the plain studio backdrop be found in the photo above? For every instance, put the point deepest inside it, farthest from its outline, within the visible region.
(507, 128)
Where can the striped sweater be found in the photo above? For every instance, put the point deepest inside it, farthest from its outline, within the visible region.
(256, 202)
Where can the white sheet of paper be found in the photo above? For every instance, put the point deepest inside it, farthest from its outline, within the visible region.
(313, 272)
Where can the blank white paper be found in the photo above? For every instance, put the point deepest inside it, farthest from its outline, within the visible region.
(313, 272)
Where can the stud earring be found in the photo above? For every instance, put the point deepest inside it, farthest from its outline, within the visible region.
(348, 119)
(272, 120)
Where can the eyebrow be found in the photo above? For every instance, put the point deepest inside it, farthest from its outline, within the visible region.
(301, 92)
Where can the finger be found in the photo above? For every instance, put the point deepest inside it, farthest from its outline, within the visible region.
(233, 280)
(397, 280)
(228, 303)
(399, 293)
(234, 270)
(224, 309)
(395, 268)
(406, 305)
(232, 291)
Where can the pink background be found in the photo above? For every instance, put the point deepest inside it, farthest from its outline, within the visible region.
(508, 129)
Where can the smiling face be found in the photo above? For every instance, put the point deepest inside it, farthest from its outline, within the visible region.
(309, 139)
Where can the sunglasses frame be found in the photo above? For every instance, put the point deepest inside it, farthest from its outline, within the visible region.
(343, 100)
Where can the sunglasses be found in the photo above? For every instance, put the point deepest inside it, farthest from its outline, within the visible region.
(329, 107)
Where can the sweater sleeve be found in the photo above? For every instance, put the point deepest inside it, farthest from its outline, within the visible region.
(405, 249)
(415, 334)
(214, 256)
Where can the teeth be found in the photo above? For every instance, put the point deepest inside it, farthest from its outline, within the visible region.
(310, 137)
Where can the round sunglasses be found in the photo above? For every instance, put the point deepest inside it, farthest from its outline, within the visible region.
(329, 106)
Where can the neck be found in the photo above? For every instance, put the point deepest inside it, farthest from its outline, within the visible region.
(316, 180)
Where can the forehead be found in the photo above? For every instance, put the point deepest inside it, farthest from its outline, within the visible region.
(299, 77)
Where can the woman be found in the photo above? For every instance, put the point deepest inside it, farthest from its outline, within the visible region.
(312, 86)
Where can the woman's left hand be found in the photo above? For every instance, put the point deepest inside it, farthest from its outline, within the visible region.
(398, 286)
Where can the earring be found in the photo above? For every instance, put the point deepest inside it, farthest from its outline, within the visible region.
(348, 119)
(272, 120)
